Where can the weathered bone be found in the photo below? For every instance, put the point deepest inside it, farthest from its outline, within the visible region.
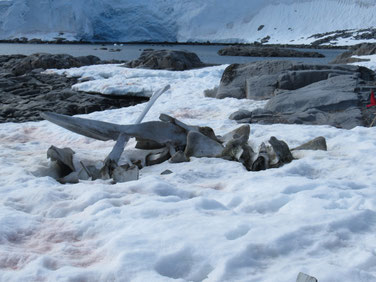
(125, 173)
(158, 131)
(99, 130)
(282, 150)
(318, 143)
(103, 131)
(123, 139)
(157, 158)
(243, 130)
(262, 161)
(207, 131)
(234, 142)
(247, 156)
(64, 157)
(199, 145)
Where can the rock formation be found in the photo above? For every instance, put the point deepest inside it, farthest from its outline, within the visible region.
(25, 90)
(363, 49)
(262, 51)
(166, 60)
(300, 93)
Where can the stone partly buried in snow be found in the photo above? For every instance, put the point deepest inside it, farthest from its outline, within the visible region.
(178, 141)
(166, 60)
(299, 93)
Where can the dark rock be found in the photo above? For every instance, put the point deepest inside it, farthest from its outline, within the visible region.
(331, 101)
(241, 114)
(167, 60)
(260, 87)
(23, 97)
(166, 172)
(318, 143)
(300, 93)
(251, 51)
(35, 41)
(233, 81)
(260, 80)
(266, 40)
(297, 79)
(49, 61)
(333, 36)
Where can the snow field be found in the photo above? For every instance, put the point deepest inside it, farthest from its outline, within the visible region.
(210, 220)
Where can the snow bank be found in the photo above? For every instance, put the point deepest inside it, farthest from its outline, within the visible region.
(210, 220)
(285, 21)
(371, 63)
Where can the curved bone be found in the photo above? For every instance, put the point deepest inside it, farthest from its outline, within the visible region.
(160, 132)
(207, 131)
(121, 142)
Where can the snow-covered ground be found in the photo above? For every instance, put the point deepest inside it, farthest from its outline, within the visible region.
(284, 21)
(210, 220)
(371, 63)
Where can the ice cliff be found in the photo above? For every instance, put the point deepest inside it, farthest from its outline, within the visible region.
(284, 21)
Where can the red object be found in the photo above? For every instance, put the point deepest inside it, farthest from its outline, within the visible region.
(372, 101)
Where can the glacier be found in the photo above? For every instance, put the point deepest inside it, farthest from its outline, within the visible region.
(225, 21)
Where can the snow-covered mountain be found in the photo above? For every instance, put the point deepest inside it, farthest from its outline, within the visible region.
(284, 21)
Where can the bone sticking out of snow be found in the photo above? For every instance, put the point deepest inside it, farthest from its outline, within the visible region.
(208, 220)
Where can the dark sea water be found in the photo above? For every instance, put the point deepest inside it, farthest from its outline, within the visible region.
(207, 53)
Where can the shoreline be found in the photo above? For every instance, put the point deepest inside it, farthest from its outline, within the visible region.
(67, 42)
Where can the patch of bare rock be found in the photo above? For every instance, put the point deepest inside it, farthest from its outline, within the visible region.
(299, 93)
(167, 60)
(265, 51)
(363, 49)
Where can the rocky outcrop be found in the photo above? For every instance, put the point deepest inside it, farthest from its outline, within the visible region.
(22, 64)
(166, 60)
(25, 90)
(300, 93)
(260, 76)
(363, 49)
(261, 51)
(331, 38)
(262, 80)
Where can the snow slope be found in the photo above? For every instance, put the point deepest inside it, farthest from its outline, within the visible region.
(183, 20)
(210, 220)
